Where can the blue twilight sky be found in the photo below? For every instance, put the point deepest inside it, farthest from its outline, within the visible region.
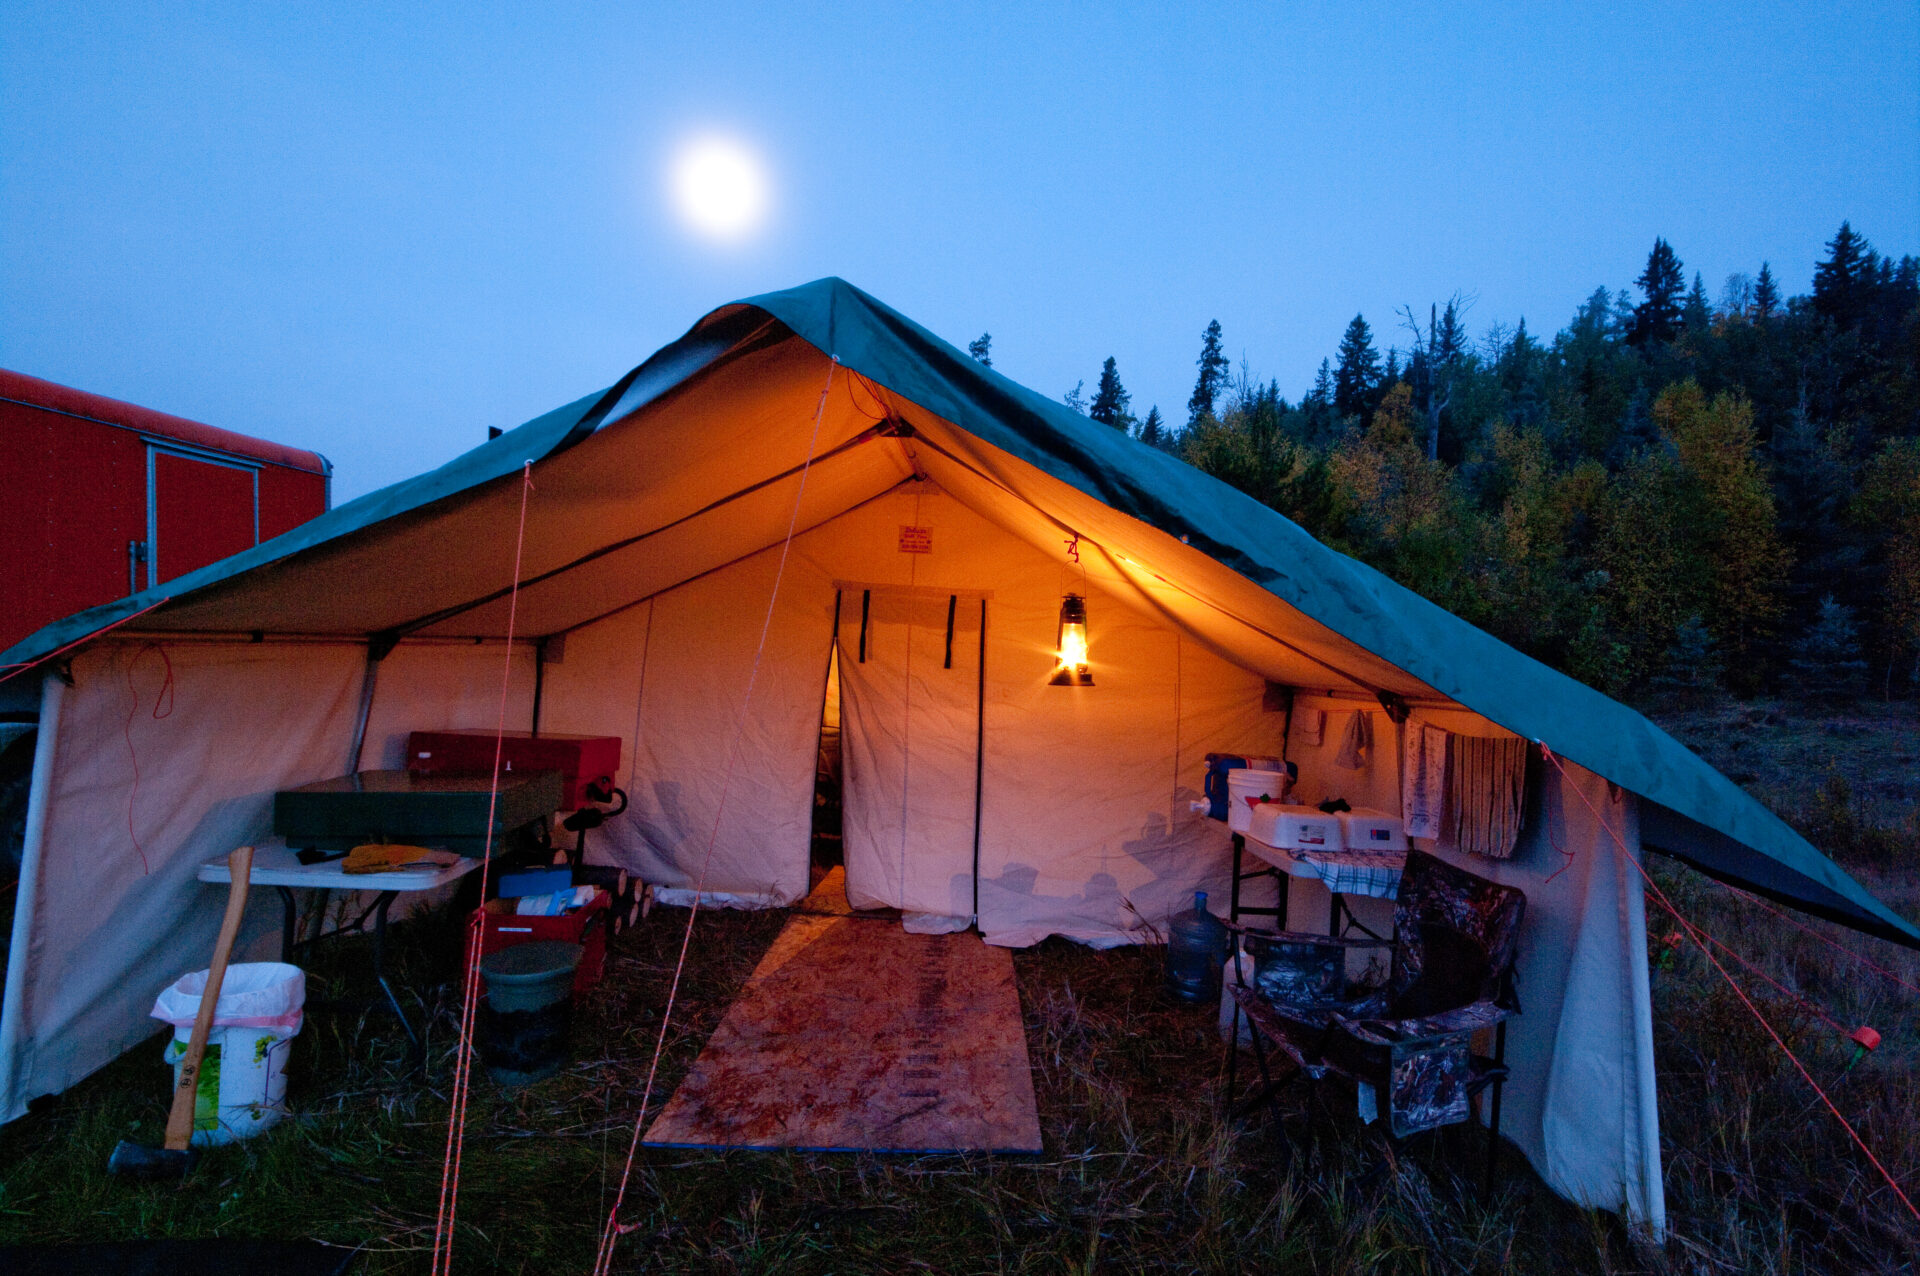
(375, 230)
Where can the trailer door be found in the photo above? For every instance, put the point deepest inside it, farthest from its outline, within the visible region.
(200, 509)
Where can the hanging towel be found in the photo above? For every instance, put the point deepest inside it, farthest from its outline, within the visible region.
(1311, 724)
(1356, 746)
(1485, 788)
(1423, 780)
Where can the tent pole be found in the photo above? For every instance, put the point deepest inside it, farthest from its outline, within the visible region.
(979, 753)
(378, 646)
(16, 1063)
(539, 682)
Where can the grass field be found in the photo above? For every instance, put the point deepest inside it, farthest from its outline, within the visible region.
(1140, 1173)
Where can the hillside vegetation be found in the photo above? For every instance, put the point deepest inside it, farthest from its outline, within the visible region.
(1670, 494)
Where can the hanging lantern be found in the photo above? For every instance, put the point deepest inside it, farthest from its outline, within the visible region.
(1071, 645)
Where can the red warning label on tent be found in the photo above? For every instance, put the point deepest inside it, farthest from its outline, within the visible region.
(916, 540)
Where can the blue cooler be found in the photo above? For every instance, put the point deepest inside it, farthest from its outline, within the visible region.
(1215, 786)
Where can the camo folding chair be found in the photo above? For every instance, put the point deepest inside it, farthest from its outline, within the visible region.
(1405, 1045)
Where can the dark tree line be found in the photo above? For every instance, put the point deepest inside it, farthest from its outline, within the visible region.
(1672, 494)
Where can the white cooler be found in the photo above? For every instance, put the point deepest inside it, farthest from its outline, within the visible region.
(1364, 829)
(1295, 828)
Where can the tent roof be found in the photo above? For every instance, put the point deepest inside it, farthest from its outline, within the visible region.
(712, 448)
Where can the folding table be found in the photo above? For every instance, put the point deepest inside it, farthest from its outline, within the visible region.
(1370, 873)
(279, 867)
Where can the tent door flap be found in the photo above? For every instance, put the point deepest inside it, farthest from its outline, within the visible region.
(910, 740)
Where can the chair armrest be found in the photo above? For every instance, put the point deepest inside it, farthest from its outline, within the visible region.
(1461, 1019)
(1304, 937)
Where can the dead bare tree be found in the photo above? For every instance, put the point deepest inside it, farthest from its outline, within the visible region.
(1435, 359)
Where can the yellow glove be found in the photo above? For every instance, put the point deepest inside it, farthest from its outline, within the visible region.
(380, 857)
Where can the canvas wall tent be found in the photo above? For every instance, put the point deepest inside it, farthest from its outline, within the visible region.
(657, 526)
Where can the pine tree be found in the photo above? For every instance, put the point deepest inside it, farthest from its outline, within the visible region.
(1697, 315)
(1316, 409)
(1522, 346)
(1076, 397)
(1322, 391)
(1844, 282)
(1450, 334)
(1153, 429)
(1623, 313)
(1766, 293)
(1691, 668)
(1357, 374)
(1213, 374)
(1110, 398)
(981, 348)
(1515, 366)
(1826, 658)
(1657, 319)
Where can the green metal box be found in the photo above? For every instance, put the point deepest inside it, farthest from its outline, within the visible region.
(442, 811)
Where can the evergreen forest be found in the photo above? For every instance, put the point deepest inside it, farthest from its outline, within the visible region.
(1671, 496)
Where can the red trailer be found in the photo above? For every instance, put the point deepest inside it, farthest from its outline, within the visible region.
(99, 498)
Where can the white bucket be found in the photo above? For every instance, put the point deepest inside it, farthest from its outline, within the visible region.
(243, 1082)
(1244, 783)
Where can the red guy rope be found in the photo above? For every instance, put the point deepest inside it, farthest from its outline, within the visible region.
(22, 666)
(463, 1057)
(612, 1230)
(1797, 924)
(162, 709)
(1697, 935)
(1804, 1001)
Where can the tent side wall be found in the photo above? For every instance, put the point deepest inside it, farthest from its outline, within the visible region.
(1581, 1104)
(211, 729)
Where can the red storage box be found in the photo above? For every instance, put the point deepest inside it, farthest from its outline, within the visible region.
(580, 759)
(501, 927)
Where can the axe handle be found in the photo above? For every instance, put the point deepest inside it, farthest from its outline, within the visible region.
(180, 1119)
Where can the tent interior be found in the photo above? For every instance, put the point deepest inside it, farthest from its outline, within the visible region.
(809, 538)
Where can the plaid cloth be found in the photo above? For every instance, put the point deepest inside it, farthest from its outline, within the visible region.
(1374, 873)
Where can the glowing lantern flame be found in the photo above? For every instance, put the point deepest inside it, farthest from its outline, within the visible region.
(1071, 645)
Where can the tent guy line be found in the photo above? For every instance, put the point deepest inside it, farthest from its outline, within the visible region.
(15, 670)
(1862, 958)
(443, 1233)
(612, 1231)
(1702, 940)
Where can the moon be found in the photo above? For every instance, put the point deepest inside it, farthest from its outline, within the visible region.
(719, 188)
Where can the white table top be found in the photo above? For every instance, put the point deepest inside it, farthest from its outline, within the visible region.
(276, 864)
(1344, 872)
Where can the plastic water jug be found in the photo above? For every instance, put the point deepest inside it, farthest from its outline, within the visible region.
(1196, 947)
(1214, 787)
